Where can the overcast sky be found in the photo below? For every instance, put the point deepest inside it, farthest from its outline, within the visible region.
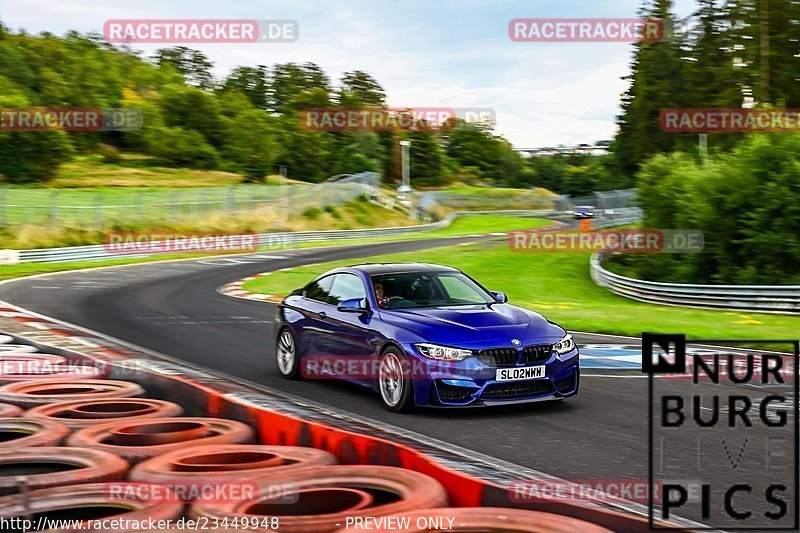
(453, 53)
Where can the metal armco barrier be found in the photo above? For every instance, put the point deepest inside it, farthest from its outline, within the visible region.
(275, 240)
(783, 299)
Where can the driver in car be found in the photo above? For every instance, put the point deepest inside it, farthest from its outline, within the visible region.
(381, 294)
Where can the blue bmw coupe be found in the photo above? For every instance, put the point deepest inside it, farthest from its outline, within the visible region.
(423, 335)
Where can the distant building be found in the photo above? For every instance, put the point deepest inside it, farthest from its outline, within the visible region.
(598, 148)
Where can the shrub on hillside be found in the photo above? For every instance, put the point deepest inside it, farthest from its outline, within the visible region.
(746, 202)
(182, 148)
(32, 156)
(109, 154)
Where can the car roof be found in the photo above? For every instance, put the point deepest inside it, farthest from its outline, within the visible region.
(389, 268)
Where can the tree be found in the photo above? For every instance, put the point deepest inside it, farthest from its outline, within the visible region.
(250, 81)
(192, 64)
(474, 146)
(359, 89)
(249, 146)
(304, 152)
(658, 81)
(426, 157)
(32, 156)
(290, 81)
(182, 148)
(193, 109)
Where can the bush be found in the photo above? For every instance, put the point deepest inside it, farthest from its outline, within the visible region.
(312, 212)
(109, 154)
(745, 203)
(182, 148)
(32, 156)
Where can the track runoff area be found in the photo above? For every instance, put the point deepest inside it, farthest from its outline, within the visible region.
(701, 432)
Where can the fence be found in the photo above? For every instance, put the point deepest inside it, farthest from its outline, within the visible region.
(364, 183)
(616, 217)
(98, 209)
(274, 240)
(783, 299)
(498, 199)
(617, 199)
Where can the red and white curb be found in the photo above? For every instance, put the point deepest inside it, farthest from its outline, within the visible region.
(235, 290)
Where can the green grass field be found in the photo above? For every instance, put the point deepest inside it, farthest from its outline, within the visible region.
(461, 226)
(559, 286)
(135, 190)
(494, 191)
(470, 198)
(479, 224)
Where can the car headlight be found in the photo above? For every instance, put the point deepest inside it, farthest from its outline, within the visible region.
(565, 345)
(442, 353)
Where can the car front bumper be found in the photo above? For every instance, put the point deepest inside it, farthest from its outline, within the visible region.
(472, 383)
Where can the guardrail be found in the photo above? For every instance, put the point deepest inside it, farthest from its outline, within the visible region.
(266, 240)
(277, 240)
(784, 299)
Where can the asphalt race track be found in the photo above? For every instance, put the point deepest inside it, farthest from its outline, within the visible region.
(174, 308)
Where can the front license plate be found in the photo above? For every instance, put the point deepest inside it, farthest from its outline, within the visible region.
(519, 373)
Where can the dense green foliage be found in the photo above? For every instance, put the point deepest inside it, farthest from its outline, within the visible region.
(745, 202)
(727, 54)
(248, 122)
(744, 196)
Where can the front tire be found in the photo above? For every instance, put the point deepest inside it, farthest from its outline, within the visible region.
(394, 382)
(286, 354)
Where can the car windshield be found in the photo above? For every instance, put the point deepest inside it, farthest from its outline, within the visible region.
(427, 289)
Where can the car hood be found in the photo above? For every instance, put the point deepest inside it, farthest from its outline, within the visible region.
(475, 326)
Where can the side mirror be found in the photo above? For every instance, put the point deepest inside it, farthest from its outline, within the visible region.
(353, 305)
(500, 297)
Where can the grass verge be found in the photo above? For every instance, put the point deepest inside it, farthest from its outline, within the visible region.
(559, 286)
(461, 226)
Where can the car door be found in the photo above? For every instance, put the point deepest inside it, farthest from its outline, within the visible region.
(313, 327)
(348, 335)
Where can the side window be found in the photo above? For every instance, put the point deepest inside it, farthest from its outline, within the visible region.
(320, 289)
(345, 287)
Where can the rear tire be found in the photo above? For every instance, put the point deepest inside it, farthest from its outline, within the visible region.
(395, 385)
(286, 354)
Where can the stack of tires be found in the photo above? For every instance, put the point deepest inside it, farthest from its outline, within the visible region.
(81, 447)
